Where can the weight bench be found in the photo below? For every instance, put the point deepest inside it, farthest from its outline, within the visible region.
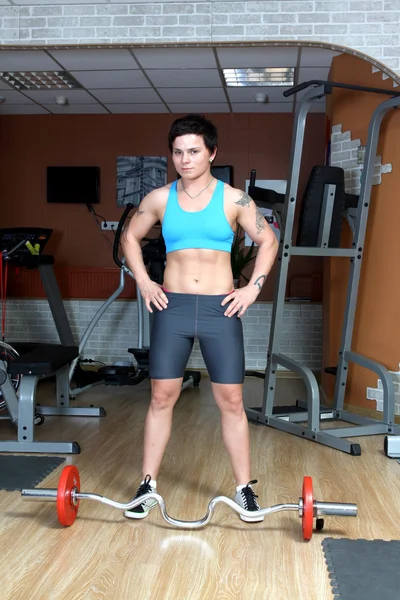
(43, 361)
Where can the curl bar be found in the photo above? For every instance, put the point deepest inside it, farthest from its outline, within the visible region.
(68, 495)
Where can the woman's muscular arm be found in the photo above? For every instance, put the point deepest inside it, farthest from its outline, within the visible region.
(142, 221)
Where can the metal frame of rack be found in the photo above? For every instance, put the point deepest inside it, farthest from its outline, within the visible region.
(306, 422)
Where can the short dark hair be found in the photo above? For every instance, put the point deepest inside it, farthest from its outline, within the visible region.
(197, 125)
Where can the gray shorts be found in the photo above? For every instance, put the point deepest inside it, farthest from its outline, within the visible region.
(190, 316)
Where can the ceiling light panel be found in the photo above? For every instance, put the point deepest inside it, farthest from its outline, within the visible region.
(39, 80)
(269, 76)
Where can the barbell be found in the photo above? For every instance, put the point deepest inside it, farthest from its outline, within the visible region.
(68, 495)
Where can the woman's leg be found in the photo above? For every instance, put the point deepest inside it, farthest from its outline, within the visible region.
(157, 430)
(170, 346)
(171, 343)
(235, 428)
(221, 343)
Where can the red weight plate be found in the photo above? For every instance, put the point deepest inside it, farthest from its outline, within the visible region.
(66, 510)
(308, 508)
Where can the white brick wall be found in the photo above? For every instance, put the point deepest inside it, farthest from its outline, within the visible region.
(376, 394)
(370, 26)
(344, 155)
(31, 321)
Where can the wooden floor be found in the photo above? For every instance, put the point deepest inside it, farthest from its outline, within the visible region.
(105, 556)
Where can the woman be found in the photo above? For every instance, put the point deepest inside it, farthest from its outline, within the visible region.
(199, 215)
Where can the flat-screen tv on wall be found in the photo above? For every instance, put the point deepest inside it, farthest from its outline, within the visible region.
(223, 172)
(73, 185)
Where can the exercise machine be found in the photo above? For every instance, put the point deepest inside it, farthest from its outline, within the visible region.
(68, 495)
(154, 256)
(8, 353)
(20, 372)
(323, 219)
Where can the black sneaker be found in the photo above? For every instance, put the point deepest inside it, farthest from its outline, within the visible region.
(141, 511)
(246, 498)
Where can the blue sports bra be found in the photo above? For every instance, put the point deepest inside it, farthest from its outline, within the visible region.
(206, 228)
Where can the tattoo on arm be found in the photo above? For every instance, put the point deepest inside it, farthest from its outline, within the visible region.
(244, 199)
(259, 282)
(139, 212)
(260, 221)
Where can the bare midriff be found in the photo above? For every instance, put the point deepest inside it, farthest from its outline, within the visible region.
(198, 271)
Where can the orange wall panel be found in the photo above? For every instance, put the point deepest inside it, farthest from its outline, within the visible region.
(74, 282)
(30, 143)
(377, 325)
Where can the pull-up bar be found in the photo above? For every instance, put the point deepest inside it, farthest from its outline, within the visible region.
(331, 84)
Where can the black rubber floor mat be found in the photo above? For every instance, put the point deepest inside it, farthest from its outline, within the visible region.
(25, 472)
(363, 569)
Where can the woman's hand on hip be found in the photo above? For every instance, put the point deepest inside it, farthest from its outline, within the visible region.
(152, 293)
(240, 300)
